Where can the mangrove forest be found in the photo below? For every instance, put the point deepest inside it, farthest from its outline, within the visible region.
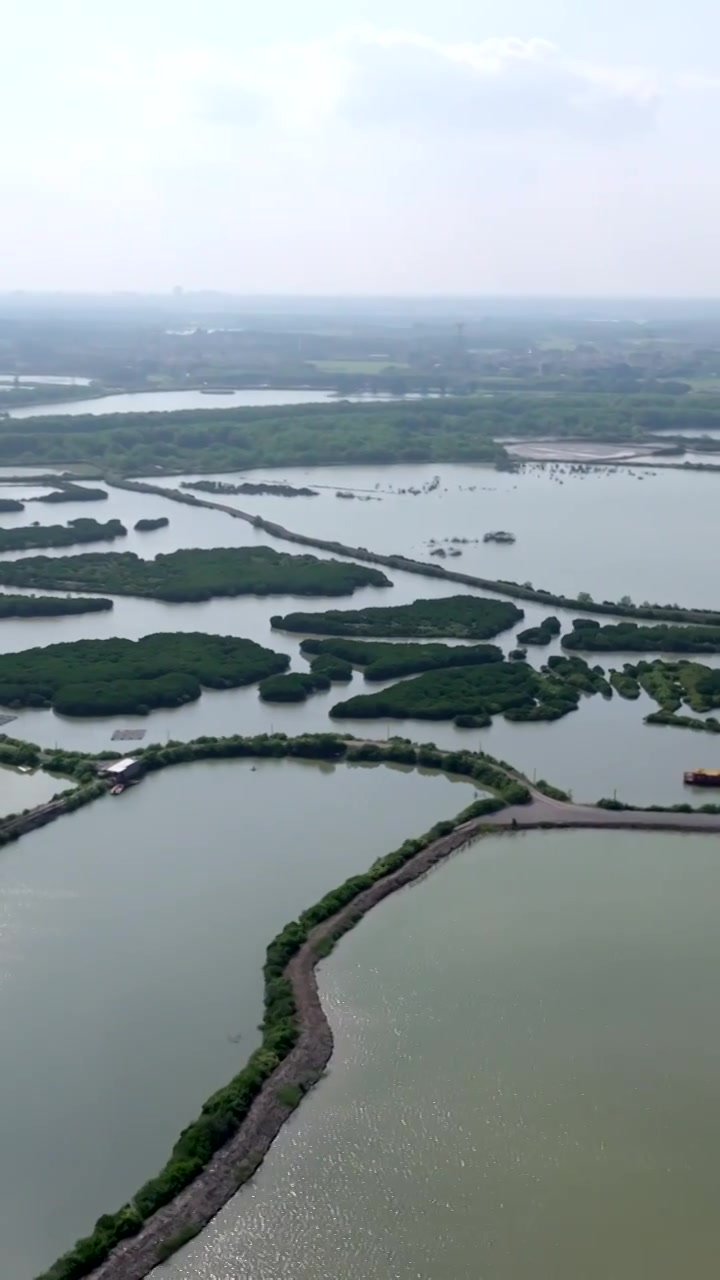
(132, 677)
(462, 617)
(191, 575)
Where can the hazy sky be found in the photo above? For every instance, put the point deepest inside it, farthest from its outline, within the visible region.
(391, 146)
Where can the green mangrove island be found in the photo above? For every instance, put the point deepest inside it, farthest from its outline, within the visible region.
(114, 677)
(544, 634)
(149, 526)
(386, 661)
(190, 575)
(24, 537)
(50, 606)
(11, 504)
(590, 636)
(70, 492)
(462, 617)
(297, 686)
(499, 687)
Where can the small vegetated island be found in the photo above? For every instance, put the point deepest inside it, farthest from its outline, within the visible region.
(463, 617)
(131, 677)
(49, 606)
(191, 575)
(590, 636)
(82, 529)
(673, 685)
(69, 492)
(471, 696)
(11, 504)
(149, 526)
(250, 488)
(386, 661)
(548, 629)
(297, 686)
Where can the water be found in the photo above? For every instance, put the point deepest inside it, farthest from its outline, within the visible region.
(601, 749)
(524, 1083)
(171, 401)
(132, 936)
(19, 791)
(610, 531)
(46, 379)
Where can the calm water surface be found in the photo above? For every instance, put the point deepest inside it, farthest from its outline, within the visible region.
(132, 936)
(171, 401)
(601, 749)
(524, 1084)
(19, 791)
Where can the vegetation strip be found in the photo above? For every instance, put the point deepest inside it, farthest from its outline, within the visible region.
(12, 606)
(583, 603)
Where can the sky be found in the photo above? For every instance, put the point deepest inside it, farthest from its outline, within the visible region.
(397, 147)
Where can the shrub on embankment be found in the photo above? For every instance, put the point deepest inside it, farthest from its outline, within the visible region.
(223, 1113)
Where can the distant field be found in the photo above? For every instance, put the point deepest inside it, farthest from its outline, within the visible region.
(358, 366)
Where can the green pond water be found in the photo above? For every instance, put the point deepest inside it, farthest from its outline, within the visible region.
(132, 938)
(525, 1083)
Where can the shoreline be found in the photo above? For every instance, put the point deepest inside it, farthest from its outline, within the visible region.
(236, 1162)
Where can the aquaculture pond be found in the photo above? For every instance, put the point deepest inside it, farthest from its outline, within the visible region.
(524, 1082)
(132, 938)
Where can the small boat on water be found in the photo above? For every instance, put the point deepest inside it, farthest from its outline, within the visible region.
(702, 778)
(118, 789)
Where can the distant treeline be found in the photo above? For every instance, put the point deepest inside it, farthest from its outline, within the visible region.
(448, 429)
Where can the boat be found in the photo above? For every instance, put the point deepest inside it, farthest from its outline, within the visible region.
(118, 789)
(702, 778)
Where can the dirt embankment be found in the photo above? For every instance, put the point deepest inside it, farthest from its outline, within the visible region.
(12, 828)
